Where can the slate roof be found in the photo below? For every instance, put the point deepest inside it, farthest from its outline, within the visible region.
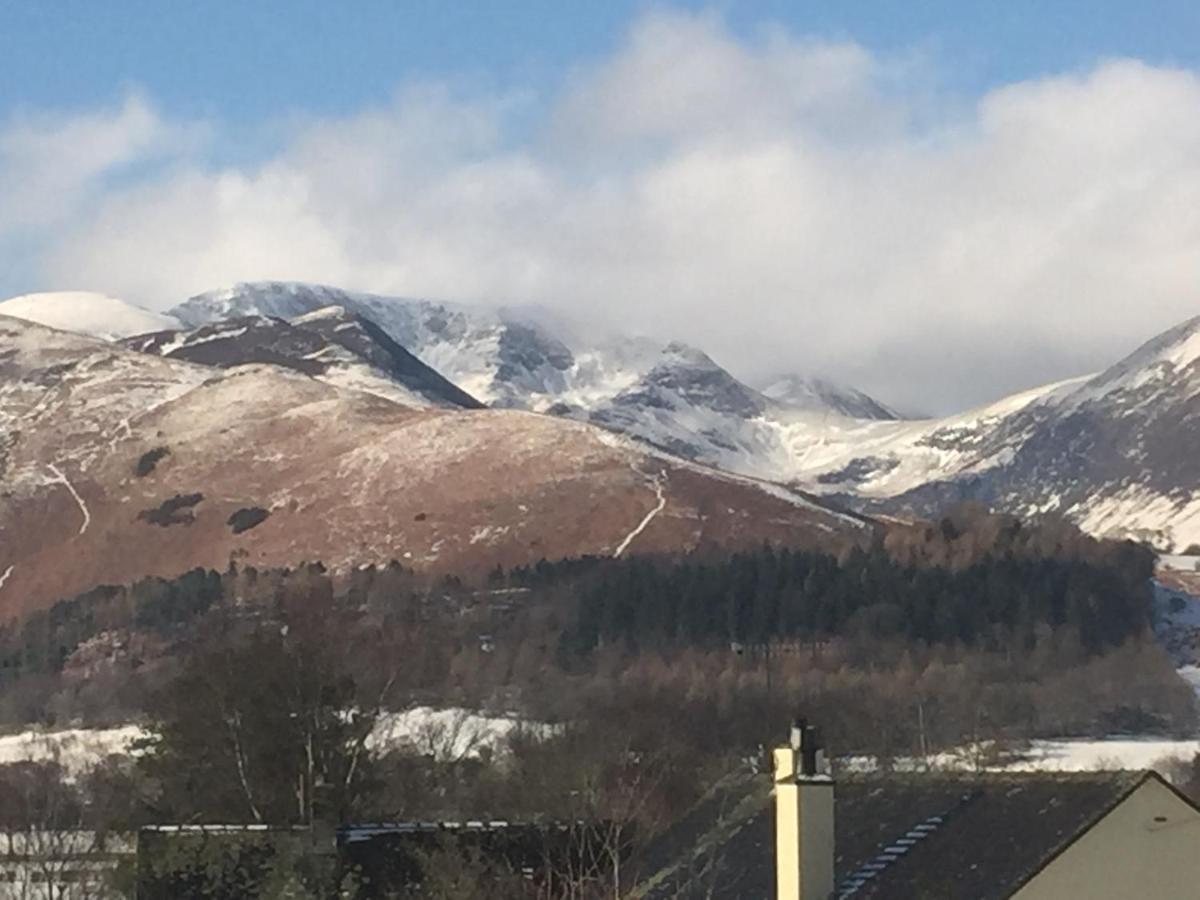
(898, 837)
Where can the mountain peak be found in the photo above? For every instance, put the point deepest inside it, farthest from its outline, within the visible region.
(1165, 363)
(330, 345)
(1177, 347)
(811, 394)
(86, 312)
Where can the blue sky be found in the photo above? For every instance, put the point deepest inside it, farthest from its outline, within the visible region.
(241, 61)
(878, 192)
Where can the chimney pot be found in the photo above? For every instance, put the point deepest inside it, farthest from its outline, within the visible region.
(799, 726)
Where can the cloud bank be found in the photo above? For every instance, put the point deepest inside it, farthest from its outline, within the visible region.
(788, 204)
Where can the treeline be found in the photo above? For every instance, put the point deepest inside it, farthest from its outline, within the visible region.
(770, 595)
(1016, 611)
(42, 642)
(87, 658)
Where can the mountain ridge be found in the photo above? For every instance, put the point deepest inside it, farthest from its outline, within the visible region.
(1108, 450)
(118, 465)
(330, 344)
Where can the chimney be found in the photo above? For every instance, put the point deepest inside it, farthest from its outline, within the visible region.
(804, 848)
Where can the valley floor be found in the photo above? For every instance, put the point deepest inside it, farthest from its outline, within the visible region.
(457, 733)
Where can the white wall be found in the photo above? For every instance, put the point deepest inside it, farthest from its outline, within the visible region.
(1148, 848)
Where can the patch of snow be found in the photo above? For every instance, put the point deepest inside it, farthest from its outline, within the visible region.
(354, 376)
(76, 749)
(446, 733)
(487, 533)
(1141, 511)
(1191, 674)
(216, 334)
(657, 482)
(1107, 753)
(84, 312)
(61, 478)
(1062, 755)
(333, 311)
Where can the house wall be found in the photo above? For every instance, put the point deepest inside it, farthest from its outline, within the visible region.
(1129, 854)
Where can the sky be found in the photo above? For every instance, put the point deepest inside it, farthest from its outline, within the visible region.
(938, 202)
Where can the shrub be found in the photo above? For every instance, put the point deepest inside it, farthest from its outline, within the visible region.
(246, 518)
(175, 511)
(148, 461)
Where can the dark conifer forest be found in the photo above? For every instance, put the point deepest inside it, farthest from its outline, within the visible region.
(779, 595)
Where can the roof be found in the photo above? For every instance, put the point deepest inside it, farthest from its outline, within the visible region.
(976, 836)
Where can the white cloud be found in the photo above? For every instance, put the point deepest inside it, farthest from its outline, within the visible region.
(783, 202)
(680, 78)
(50, 164)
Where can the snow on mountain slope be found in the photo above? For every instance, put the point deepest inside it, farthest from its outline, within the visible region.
(1116, 452)
(82, 391)
(500, 361)
(875, 459)
(86, 313)
(331, 344)
(674, 397)
(688, 405)
(1157, 365)
(807, 394)
(118, 465)
(1112, 451)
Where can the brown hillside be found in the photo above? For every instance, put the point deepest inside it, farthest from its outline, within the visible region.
(115, 465)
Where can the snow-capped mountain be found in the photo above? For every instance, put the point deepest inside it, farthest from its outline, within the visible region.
(117, 464)
(672, 396)
(331, 344)
(688, 405)
(1119, 452)
(818, 395)
(87, 313)
(871, 459)
(500, 361)
(1115, 452)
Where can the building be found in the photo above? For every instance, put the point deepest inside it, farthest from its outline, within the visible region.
(43, 864)
(793, 834)
(1031, 836)
(365, 861)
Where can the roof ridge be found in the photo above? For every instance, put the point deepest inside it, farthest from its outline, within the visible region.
(1090, 775)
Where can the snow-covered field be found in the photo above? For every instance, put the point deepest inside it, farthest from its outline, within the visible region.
(450, 733)
(1109, 753)
(455, 733)
(77, 749)
(1067, 755)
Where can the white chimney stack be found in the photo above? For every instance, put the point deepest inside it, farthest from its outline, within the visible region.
(804, 836)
